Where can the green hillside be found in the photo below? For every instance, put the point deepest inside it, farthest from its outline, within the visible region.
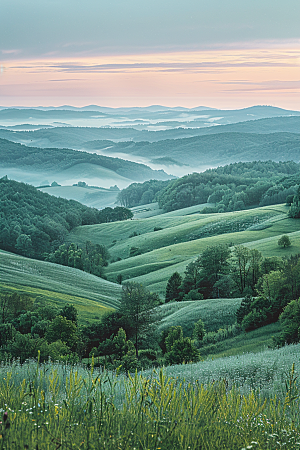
(183, 235)
(91, 295)
(215, 313)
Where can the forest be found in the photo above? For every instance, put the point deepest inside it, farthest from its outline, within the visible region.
(34, 224)
(233, 187)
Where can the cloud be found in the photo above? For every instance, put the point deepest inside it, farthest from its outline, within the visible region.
(272, 85)
(68, 28)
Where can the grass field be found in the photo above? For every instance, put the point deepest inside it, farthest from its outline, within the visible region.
(182, 235)
(91, 295)
(215, 313)
(251, 342)
(53, 406)
(249, 401)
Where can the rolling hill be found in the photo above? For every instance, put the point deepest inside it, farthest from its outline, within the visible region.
(58, 285)
(90, 196)
(183, 235)
(155, 126)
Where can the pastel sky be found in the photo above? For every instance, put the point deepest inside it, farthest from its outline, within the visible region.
(217, 53)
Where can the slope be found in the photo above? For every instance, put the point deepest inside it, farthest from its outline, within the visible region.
(91, 295)
(182, 237)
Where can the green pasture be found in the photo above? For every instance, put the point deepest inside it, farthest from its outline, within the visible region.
(176, 227)
(176, 253)
(250, 342)
(145, 211)
(154, 267)
(92, 295)
(215, 313)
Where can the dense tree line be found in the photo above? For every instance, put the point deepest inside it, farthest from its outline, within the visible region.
(141, 193)
(268, 285)
(27, 326)
(223, 272)
(232, 187)
(34, 223)
(294, 211)
(91, 258)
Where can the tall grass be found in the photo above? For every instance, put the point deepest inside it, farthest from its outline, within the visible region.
(54, 406)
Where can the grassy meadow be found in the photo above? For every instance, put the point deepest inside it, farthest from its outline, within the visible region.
(215, 313)
(56, 284)
(249, 401)
(181, 235)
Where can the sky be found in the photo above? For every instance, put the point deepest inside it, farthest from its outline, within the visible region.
(223, 54)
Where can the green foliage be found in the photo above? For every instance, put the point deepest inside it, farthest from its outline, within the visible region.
(173, 288)
(70, 313)
(294, 210)
(244, 309)
(204, 276)
(53, 405)
(91, 258)
(62, 329)
(290, 323)
(193, 295)
(199, 330)
(276, 289)
(137, 308)
(173, 334)
(229, 190)
(182, 351)
(245, 268)
(34, 223)
(141, 193)
(119, 351)
(284, 241)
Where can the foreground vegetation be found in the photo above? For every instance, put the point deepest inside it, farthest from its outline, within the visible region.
(54, 406)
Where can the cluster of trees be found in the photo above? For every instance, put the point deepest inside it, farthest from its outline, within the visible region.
(268, 284)
(127, 337)
(270, 287)
(141, 193)
(232, 187)
(218, 272)
(92, 258)
(275, 289)
(294, 211)
(33, 223)
(28, 327)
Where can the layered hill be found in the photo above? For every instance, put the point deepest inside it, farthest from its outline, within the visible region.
(216, 149)
(35, 165)
(168, 242)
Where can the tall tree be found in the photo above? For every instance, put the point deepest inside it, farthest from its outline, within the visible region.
(173, 287)
(137, 307)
